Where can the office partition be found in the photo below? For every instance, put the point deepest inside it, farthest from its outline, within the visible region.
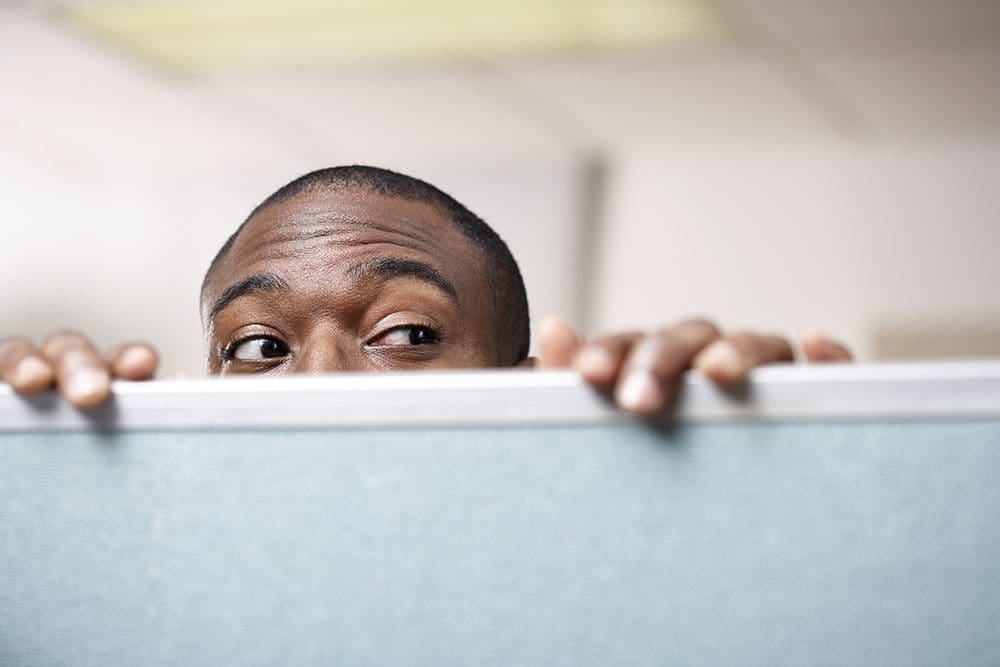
(818, 515)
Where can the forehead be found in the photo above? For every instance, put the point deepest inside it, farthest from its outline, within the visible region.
(313, 235)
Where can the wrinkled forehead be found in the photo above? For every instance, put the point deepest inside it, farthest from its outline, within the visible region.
(313, 234)
(346, 214)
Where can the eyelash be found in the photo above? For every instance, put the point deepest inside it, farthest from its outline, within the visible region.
(433, 334)
(229, 353)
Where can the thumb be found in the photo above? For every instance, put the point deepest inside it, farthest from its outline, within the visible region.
(818, 347)
(558, 343)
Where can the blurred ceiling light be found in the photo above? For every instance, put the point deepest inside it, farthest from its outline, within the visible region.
(227, 34)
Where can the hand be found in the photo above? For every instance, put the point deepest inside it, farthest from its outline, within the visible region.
(69, 361)
(643, 370)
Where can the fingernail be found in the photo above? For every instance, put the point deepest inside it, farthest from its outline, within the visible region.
(31, 373)
(595, 361)
(554, 324)
(88, 386)
(132, 359)
(725, 359)
(134, 356)
(639, 393)
(812, 338)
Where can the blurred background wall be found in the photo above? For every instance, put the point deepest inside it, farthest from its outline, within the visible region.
(773, 164)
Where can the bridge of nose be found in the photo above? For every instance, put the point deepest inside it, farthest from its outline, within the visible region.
(329, 352)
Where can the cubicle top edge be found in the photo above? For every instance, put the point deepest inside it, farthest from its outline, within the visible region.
(926, 390)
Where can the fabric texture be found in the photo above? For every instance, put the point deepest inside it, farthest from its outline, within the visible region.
(754, 544)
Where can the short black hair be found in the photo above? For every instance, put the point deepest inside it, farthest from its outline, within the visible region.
(510, 299)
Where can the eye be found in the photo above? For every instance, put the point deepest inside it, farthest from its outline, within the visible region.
(260, 348)
(406, 335)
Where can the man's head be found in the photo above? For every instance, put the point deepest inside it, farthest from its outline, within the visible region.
(359, 268)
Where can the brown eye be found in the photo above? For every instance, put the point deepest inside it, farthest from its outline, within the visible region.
(407, 335)
(260, 348)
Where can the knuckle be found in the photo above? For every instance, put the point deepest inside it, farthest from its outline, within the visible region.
(688, 338)
(638, 355)
(706, 325)
(61, 341)
(764, 347)
(13, 349)
(691, 333)
(743, 340)
(14, 342)
(617, 341)
(665, 339)
(663, 355)
(63, 333)
(13, 345)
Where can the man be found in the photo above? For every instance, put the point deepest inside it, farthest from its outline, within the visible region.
(359, 269)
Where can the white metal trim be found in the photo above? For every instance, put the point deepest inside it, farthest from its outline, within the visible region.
(515, 397)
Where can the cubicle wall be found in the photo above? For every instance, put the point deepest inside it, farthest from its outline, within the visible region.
(841, 515)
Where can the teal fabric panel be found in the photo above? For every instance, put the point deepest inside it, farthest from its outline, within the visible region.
(739, 544)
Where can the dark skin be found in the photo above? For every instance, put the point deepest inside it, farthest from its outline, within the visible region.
(348, 280)
(383, 284)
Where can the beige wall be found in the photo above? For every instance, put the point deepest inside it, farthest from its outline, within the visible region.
(848, 238)
(123, 258)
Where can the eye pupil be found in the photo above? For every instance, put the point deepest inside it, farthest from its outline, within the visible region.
(270, 348)
(420, 336)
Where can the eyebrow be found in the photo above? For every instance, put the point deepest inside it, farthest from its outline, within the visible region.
(396, 267)
(255, 284)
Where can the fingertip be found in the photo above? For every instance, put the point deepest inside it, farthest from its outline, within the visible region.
(596, 364)
(811, 345)
(32, 375)
(812, 335)
(723, 362)
(818, 347)
(812, 342)
(57, 341)
(87, 386)
(137, 361)
(558, 343)
(640, 394)
(555, 326)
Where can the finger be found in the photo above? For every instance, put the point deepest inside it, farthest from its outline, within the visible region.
(80, 374)
(600, 361)
(656, 363)
(818, 347)
(23, 368)
(558, 343)
(132, 361)
(730, 359)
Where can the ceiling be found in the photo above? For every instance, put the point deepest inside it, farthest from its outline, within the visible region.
(213, 35)
(81, 101)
